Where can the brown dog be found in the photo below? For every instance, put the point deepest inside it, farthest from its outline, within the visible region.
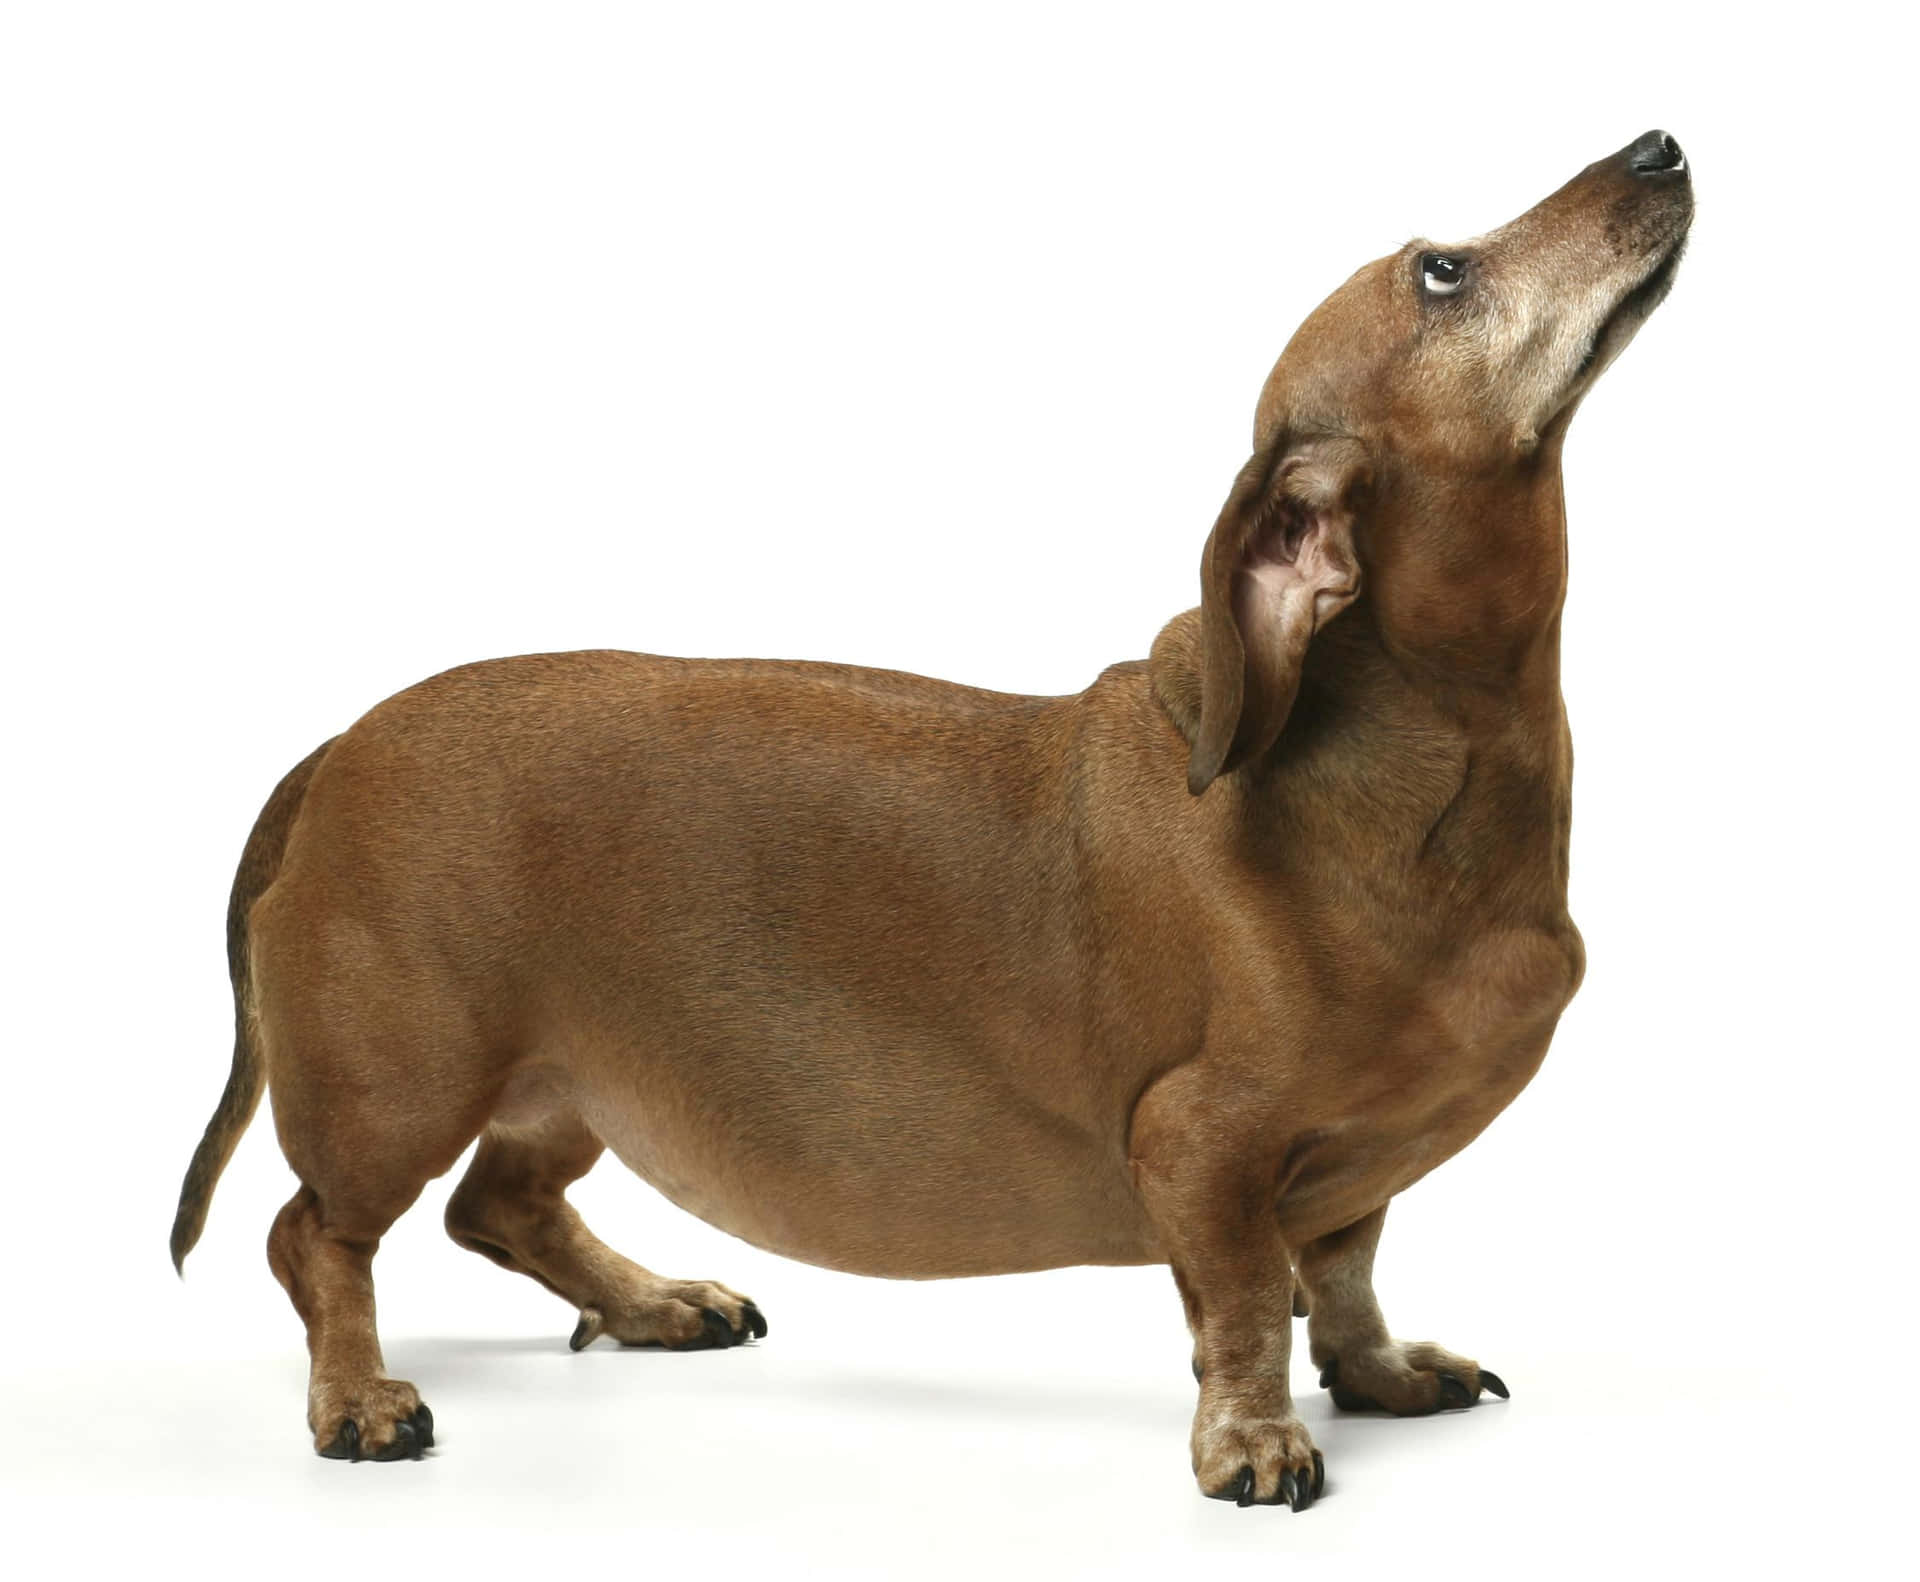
(1199, 967)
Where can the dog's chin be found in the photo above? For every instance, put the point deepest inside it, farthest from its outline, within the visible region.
(1621, 324)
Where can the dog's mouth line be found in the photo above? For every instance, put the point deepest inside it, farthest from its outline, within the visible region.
(1639, 301)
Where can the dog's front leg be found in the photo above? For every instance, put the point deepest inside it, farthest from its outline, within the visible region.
(1211, 1200)
(1360, 1363)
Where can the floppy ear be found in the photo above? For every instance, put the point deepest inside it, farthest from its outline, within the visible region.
(1278, 566)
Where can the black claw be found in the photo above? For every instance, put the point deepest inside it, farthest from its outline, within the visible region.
(1495, 1383)
(1319, 1473)
(346, 1443)
(1329, 1373)
(582, 1335)
(1243, 1490)
(755, 1320)
(405, 1446)
(1290, 1490)
(422, 1421)
(1453, 1392)
(715, 1332)
(1199, 1372)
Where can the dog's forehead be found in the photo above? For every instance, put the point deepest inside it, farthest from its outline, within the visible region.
(1339, 350)
(1343, 355)
(1367, 306)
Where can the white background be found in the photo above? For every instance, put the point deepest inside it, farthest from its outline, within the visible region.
(339, 344)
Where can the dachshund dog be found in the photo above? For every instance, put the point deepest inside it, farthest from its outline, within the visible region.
(1198, 967)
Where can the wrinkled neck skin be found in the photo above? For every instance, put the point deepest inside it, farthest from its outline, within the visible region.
(1428, 747)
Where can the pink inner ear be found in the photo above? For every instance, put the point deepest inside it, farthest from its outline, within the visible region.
(1273, 584)
(1332, 575)
(1296, 576)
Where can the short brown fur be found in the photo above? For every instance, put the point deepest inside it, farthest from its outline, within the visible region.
(1200, 966)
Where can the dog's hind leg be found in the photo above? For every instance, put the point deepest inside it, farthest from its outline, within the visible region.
(511, 1207)
(378, 1085)
(362, 1161)
(325, 1260)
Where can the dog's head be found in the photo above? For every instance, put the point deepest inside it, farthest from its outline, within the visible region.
(1407, 446)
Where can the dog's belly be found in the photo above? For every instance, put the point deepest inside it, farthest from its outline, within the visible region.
(901, 1161)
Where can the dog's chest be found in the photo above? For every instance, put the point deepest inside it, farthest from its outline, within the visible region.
(1446, 1057)
(1480, 1015)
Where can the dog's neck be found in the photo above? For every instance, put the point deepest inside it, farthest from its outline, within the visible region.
(1429, 714)
(1466, 578)
(1436, 701)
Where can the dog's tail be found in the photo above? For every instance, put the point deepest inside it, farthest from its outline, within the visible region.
(259, 866)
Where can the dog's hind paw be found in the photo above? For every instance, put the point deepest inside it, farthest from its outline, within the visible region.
(683, 1316)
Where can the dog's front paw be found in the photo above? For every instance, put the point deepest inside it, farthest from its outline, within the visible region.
(1407, 1378)
(369, 1420)
(1256, 1460)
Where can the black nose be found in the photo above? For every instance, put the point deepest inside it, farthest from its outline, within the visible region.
(1653, 153)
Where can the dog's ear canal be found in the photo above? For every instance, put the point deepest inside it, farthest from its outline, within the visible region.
(1278, 566)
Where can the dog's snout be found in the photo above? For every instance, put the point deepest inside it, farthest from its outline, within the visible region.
(1655, 153)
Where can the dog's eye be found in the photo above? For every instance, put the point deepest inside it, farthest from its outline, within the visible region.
(1443, 273)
